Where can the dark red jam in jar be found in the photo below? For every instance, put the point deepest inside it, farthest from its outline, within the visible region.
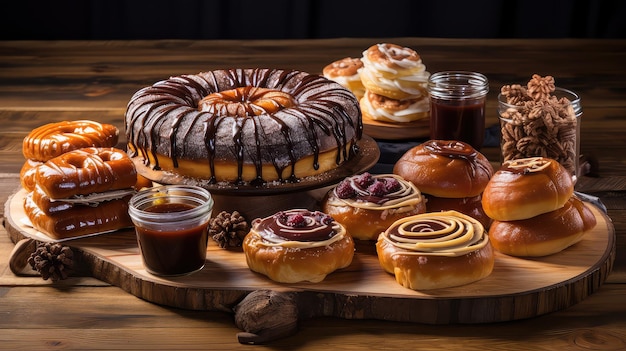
(171, 223)
(457, 106)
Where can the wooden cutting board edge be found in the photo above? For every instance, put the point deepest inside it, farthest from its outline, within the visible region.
(312, 303)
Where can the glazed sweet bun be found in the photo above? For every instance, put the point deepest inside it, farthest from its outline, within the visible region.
(297, 245)
(27, 174)
(86, 171)
(79, 220)
(545, 234)
(526, 188)
(445, 168)
(82, 192)
(436, 250)
(54, 139)
(368, 204)
(471, 206)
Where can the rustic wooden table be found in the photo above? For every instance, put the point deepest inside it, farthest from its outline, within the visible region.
(42, 82)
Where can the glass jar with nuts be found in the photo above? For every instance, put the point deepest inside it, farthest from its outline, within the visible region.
(540, 119)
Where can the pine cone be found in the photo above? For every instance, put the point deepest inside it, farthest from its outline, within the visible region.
(52, 261)
(228, 230)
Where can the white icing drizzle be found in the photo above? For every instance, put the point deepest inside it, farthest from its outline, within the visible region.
(96, 198)
(405, 63)
(405, 198)
(531, 164)
(447, 233)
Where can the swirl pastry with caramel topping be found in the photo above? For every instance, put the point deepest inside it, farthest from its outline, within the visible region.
(297, 245)
(367, 204)
(436, 250)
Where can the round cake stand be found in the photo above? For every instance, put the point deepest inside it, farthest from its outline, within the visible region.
(262, 201)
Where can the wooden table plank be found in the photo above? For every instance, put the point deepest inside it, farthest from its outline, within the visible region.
(58, 80)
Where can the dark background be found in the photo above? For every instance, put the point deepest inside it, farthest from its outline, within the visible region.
(302, 19)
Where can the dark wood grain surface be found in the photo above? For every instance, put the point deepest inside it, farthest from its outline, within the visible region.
(41, 82)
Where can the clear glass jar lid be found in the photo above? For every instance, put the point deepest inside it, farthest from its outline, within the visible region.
(458, 85)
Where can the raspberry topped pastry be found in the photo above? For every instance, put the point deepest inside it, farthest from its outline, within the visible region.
(297, 245)
(367, 204)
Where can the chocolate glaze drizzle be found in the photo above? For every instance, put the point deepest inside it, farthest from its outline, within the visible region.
(163, 119)
(456, 149)
(313, 226)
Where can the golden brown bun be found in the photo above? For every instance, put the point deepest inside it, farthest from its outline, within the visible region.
(445, 168)
(545, 234)
(526, 188)
(86, 171)
(432, 269)
(365, 224)
(79, 220)
(54, 139)
(435, 272)
(297, 245)
(292, 265)
(471, 206)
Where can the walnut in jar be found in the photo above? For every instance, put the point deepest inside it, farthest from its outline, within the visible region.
(540, 119)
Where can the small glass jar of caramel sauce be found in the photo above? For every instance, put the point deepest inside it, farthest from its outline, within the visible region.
(171, 223)
(457, 106)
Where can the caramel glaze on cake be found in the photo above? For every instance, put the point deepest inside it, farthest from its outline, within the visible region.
(244, 125)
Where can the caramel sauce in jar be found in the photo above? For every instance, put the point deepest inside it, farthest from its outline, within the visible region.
(171, 224)
(457, 106)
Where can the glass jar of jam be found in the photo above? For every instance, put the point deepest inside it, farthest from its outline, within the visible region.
(457, 106)
(171, 223)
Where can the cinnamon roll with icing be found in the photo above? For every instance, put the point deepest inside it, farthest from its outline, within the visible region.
(368, 204)
(436, 250)
(297, 245)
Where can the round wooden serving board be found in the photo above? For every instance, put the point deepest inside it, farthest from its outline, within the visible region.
(518, 288)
